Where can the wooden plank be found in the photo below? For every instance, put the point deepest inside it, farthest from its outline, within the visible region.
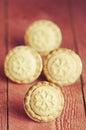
(3, 84)
(79, 25)
(73, 116)
(21, 14)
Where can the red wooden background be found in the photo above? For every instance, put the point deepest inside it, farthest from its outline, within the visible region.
(15, 16)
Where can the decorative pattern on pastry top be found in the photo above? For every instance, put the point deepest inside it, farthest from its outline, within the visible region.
(63, 66)
(44, 36)
(43, 99)
(44, 102)
(21, 64)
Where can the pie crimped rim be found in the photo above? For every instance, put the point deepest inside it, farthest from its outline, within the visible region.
(23, 64)
(43, 102)
(62, 66)
(44, 36)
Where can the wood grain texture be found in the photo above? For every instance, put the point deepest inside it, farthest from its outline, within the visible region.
(3, 84)
(78, 14)
(20, 15)
(73, 114)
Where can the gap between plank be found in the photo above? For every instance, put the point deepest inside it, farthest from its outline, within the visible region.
(76, 48)
(6, 45)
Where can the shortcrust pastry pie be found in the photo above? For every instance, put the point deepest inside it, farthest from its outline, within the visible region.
(43, 101)
(23, 64)
(44, 36)
(62, 66)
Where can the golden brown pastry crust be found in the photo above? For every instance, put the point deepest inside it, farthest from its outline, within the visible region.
(43, 102)
(23, 64)
(44, 36)
(62, 66)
